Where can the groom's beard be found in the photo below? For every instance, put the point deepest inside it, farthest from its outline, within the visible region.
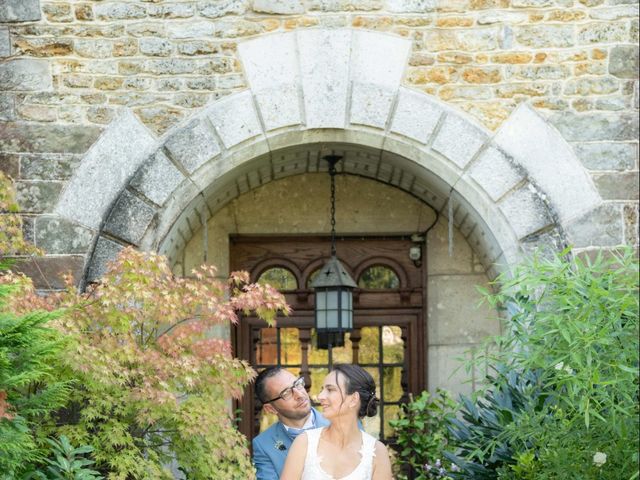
(301, 410)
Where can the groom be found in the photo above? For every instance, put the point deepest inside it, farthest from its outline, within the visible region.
(284, 395)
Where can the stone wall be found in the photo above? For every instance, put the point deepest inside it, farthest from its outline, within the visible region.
(69, 67)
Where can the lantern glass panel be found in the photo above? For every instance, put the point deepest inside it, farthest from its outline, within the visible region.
(346, 300)
(332, 319)
(321, 319)
(321, 300)
(332, 300)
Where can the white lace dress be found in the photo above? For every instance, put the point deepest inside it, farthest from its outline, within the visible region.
(313, 470)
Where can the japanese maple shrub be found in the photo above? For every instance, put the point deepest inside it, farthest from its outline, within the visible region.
(156, 384)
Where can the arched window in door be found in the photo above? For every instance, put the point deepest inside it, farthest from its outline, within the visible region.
(280, 278)
(379, 277)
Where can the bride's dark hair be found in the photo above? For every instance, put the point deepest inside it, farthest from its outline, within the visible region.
(357, 379)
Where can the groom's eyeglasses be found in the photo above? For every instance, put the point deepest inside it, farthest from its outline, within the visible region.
(287, 393)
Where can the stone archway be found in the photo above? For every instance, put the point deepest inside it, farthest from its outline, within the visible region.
(317, 89)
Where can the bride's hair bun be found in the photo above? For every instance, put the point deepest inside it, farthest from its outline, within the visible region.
(357, 379)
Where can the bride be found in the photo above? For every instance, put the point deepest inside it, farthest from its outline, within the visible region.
(341, 451)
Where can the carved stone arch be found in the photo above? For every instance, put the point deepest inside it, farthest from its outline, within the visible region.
(316, 90)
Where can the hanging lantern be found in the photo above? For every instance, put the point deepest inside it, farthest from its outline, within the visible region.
(333, 287)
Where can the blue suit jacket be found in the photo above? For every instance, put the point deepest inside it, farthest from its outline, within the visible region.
(271, 447)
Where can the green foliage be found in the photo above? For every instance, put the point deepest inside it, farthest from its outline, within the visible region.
(421, 430)
(481, 432)
(68, 463)
(156, 382)
(574, 322)
(30, 384)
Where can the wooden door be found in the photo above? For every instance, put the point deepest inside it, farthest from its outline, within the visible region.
(388, 337)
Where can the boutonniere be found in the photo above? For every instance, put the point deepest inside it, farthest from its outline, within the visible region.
(279, 445)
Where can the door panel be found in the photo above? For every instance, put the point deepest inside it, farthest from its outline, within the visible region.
(388, 334)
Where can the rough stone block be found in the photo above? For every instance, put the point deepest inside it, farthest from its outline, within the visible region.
(279, 106)
(32, 138)
(446, 370)
(324, 65)
(416, 116)
(545, 244)
(607, 156)
(37, 197)
(371, 104)
(7, 107)
(591, 127)
(47, 272)
(119, 11)
(617, 186)
(526, 211)
(602, 32)
(549, 161)
(105, 170)
(544, 36)
(495, 172)
(631, 215)
(171, 10)
(10, 165)
(411, 6)
(369, 66)
(623, 61)
(191, 30)
(220, 8)
(105, 252)
(57, 235)
(157, 47)
(5, 42)
(461, 262)
(458, 140)
(157, 178)
(19, 11)
(283, 7)
(454, 318)
(25, 74)
(193, 145)
(238, 126)
(52, 166)
(129, 218)
(600, 227)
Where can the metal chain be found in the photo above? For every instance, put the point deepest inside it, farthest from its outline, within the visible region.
(332, 173)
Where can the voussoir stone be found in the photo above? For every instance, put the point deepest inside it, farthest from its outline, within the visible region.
(129, 218)
(526, 211)
(193, 145)
(495, 172)
(324, 69)
(549, 161)
(240, 126)
(105, 170)
(157, 178)
(458, 140)
(415, 116)
(104, 252)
